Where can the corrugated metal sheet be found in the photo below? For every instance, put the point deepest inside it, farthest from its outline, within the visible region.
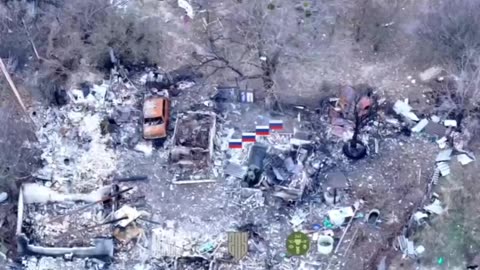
(444, 168)
(444, 155)
(435, 129)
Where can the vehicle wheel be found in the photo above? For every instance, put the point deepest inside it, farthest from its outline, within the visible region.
(354, 152)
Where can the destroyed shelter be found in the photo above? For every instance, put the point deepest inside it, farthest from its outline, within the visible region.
(193, 142)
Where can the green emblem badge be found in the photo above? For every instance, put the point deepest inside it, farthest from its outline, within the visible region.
(298, 244)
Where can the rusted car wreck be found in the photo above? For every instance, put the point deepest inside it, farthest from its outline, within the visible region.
(155, 117)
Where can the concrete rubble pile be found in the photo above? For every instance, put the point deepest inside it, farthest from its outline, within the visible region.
(66, 213)
(76, 154)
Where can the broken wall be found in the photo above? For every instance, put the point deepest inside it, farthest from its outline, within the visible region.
(193, 142)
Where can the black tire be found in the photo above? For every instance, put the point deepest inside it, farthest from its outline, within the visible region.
(356, 153)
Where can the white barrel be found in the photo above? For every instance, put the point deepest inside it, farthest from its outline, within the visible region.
(325, 244)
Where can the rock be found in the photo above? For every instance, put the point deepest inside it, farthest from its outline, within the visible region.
(3, 197)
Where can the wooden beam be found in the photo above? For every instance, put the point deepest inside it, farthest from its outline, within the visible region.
(12, 86)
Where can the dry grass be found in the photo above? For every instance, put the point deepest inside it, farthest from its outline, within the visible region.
(63, 38)
(455, 235)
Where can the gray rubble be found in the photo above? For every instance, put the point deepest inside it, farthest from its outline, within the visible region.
(198, 189)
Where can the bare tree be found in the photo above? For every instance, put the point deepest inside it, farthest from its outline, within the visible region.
(453, 40)
(67, 37)
(459, 95)
(364, 109)
(375, 21)
(269, 46)
(449, 29)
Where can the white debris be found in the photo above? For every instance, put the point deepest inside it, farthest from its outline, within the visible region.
(144, 147)
(3, 197)
(250, 97)
(145, 78)
(430, 73)
(406, 246)
(450, 123)
(402, 108)
(185, 85)
(187, 7)
(99, 92)
(298, 218)
(142, 266)
(75, 117)
(76, 95)
(393, 121)
(435, 118)
(410, 248)
(442, 142)
(36, 193)
(435, 207)
(126, 211)
(74, 149)
(420, 126)
(418, 216)
(420, 250)
(444, 155)
(465, 159)
(338, 216)
(444, 168)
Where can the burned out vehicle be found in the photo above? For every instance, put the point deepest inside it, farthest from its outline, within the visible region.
(156, 114)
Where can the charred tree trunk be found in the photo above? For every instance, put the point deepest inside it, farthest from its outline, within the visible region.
(355, 148)
(356, 132)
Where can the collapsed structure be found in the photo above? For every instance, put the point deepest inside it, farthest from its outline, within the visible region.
(193, 141)
(80, 212)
